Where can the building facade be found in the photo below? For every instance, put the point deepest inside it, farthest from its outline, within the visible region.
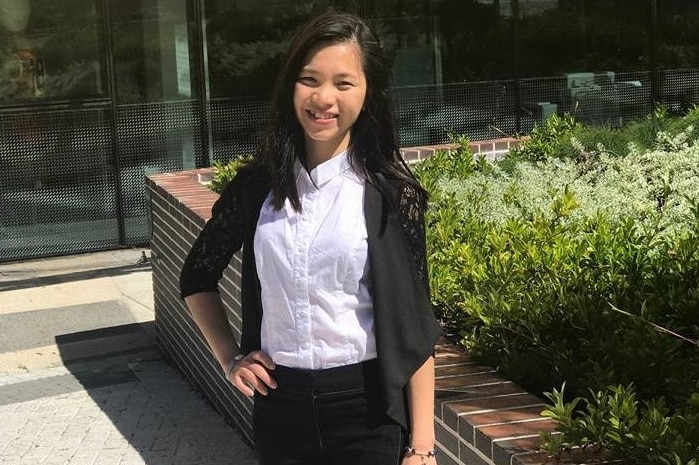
(97, 94)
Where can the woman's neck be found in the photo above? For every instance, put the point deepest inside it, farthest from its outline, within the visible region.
(318, 152)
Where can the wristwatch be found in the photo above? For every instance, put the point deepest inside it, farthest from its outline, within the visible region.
(234, 361)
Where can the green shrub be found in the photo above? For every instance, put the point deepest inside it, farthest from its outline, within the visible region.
(562, 270)
(545, 141)
(615, 423)
(224, 172)
(457, 162)
(556, 138)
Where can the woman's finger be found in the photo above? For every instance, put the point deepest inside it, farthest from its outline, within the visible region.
(262, 358)
(252, 374)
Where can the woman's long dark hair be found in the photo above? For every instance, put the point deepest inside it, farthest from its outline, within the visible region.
(373, 143)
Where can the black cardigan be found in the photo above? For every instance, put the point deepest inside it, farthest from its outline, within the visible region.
(405, 325)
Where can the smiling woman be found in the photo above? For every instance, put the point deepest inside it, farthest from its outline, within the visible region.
(338, 328)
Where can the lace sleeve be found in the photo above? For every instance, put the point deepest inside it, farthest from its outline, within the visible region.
(412, 217)
(213, 249)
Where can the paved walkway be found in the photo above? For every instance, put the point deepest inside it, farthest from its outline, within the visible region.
(81, 380)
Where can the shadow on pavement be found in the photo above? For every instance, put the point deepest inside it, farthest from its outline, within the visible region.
(148, 412)
(12, 285)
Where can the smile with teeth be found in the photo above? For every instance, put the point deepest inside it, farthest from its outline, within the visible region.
(321, 116)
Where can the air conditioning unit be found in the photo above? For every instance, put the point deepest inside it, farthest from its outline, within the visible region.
(594, 98)
(581, 85)
(544, 110)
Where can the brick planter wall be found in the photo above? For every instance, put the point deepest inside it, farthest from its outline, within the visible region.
(480, 417)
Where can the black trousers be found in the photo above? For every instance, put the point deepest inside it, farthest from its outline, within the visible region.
(326, 417)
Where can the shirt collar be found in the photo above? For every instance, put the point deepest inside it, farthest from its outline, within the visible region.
(327, 170)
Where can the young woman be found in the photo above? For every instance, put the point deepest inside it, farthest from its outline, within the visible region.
(338, 330)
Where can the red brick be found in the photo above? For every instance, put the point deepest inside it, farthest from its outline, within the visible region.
(485, 147)
(475, 406)
(485, 435)
(509, 430)
(468, 425)
(505, 416)
(504, 450)
(410, 155)
(462, 368)
(534, 458)
(469, 380)
(488, 390)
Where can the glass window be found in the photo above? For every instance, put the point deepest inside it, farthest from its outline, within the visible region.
(679, 34)
(590, 58)
(244, 41)
(476, 40)
(154, 54)
(583, 36)
(50, 51)
(678, 54)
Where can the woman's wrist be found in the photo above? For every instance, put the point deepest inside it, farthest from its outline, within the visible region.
(422, 445)
(231, 365)
(422, 441)
(424, 454)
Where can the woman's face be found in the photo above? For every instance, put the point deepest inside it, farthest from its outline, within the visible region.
(329, 96)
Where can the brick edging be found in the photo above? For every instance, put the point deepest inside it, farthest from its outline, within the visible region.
(490, 148)
(480, 417)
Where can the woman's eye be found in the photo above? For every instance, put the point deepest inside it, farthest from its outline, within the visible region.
(307, 80)
(344, 85)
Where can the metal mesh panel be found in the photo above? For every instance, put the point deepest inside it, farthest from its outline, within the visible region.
(236, 126)
(610, 99)
(679, 89)
(539, 99)
(152, 138)
(480, 110)
(634, 93)
(57, 192)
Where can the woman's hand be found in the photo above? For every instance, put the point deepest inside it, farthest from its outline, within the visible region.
(252, 373)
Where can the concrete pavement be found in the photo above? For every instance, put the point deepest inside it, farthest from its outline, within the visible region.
(81, 379)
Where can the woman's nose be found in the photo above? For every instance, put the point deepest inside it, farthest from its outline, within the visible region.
(323, 95)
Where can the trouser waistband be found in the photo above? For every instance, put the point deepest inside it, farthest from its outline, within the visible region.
(328, 380)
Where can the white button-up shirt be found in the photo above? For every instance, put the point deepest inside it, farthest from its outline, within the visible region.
(313, 269)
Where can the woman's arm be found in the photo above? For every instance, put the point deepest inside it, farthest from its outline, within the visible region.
(210, 254)
(209, 315)
(421, 385)
(250, 373)
(421, 408)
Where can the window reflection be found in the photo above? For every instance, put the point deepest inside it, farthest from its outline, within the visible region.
(151, 41)
(50, 50)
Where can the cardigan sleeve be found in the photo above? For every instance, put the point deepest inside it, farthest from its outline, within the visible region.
(221, 237)
(412, 217)
(406, 327)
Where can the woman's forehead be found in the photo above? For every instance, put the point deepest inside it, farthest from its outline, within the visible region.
(336, 55)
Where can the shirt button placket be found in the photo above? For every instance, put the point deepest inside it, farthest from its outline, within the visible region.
(301, 276)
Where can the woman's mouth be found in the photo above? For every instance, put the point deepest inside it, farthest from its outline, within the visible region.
(319, 117)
